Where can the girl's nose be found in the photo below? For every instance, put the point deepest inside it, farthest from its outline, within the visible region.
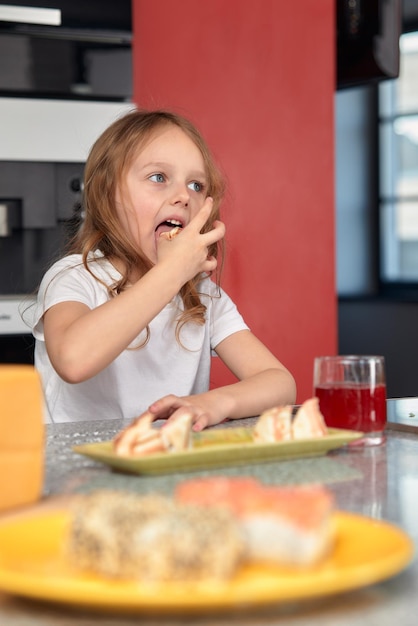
(181, 195)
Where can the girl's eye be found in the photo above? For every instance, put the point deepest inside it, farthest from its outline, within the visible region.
(157, 178)
(196, 186)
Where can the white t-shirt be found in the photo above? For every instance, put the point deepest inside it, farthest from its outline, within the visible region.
(137, 377)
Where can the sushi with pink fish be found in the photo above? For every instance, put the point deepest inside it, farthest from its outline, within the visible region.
(289, 525)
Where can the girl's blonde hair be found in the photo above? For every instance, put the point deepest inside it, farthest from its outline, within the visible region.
(109, 159)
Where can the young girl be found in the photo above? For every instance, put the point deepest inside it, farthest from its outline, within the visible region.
(128, 321)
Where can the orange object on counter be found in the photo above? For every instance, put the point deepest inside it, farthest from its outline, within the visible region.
(21, 436)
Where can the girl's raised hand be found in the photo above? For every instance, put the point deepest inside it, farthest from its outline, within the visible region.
(189, 247)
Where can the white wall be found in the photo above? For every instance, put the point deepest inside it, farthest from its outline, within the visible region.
(53, 130)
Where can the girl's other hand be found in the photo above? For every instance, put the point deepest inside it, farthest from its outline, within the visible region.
(172, 407)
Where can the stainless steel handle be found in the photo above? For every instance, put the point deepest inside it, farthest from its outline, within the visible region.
(10, 217)
(30, 15)
(4, 222)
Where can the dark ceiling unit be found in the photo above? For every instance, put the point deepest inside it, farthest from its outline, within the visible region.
(368, 33)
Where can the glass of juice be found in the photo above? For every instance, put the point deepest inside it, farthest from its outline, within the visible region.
(352, 394)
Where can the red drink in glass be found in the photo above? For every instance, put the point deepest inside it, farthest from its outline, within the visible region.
(353, 406)
(352, 394)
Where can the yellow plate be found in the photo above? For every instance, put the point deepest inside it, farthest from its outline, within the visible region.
(32, 565)
(218, 448)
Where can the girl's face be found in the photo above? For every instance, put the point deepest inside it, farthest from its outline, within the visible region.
(165, 186)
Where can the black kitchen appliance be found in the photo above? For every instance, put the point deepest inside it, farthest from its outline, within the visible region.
(40, 210)
(367, 33)
(66, 49)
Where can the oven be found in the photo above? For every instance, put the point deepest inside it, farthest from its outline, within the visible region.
(40, 209)
(16, 341)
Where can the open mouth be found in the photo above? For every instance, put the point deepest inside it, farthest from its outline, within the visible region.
(168, 225)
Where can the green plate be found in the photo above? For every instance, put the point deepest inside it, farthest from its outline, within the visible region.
(223, 447)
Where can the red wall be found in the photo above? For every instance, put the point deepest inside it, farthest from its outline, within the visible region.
(257, 77)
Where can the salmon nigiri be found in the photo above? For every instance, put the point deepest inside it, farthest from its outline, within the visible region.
(283, 525)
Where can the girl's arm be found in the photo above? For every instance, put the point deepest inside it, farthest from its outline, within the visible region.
(81, 341)
(263, 383)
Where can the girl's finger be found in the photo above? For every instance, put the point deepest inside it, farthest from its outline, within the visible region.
(202, 216)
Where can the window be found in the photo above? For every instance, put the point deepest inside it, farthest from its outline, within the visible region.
(398, 175)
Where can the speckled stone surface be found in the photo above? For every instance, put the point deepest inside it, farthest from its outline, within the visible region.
(380, 482)
(76, 473)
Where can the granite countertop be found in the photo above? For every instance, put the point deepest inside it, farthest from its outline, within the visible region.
(380, 482)
(70, 472)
